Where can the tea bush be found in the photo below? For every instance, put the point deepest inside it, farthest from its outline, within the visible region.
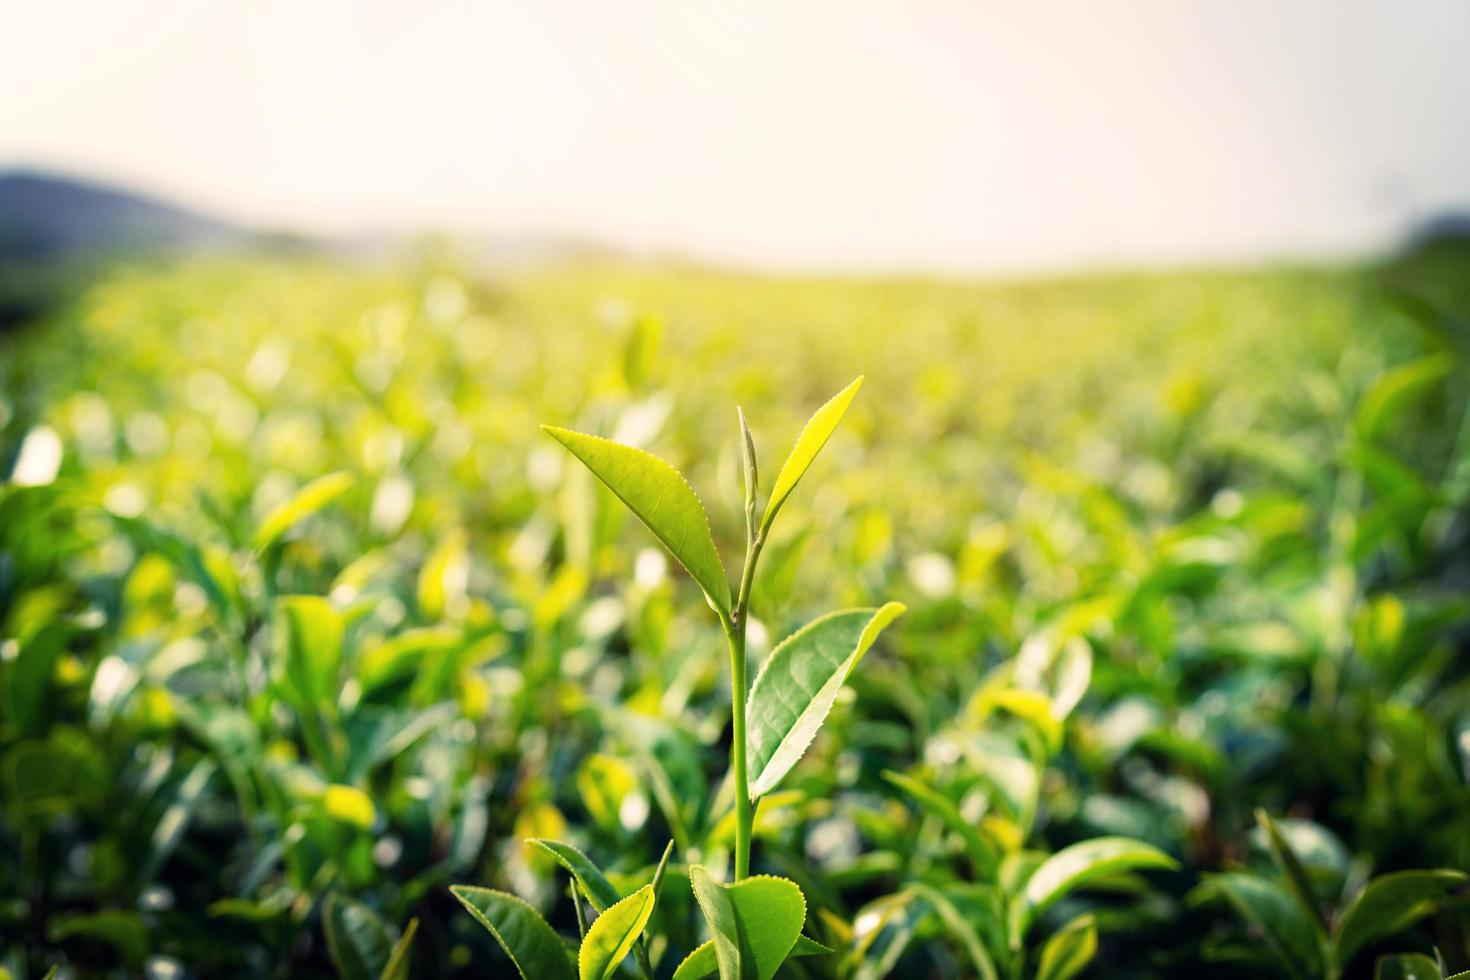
(319, 658)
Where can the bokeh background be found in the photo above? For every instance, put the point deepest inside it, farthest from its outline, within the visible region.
(1164, 312)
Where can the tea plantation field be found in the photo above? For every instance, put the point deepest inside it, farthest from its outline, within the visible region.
(304, 620)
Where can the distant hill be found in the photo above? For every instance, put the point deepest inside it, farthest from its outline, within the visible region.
(46, 218)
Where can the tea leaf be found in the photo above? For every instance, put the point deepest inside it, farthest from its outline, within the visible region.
(799, 683)
(309, 647)
(961, 928)
(751, 470)
(1074, 866)
(754, 922)
(401, 959)
(612, 936)
(662, 499)
(175, 819)
(302, 504)
(1388, 904)
(981, 852)
(813, 437)
(536, 951)
(357, 939)
(24, 696)
(1272, 911)
(1291, 866)
(1392, 393)
(590, 879)
(1069, 950)
(1409, 966)
(702, 962)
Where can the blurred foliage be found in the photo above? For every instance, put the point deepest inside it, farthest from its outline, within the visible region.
(302, 618)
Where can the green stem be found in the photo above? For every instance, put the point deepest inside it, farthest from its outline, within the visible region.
(744, 810)
(739, 689)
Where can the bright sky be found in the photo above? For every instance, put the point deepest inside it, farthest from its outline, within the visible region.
(912, 134)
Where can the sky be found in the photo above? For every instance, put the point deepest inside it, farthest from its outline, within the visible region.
(906, 135)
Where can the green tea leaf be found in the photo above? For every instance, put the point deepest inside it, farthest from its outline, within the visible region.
(1072, 867)
(754, 922)
(751, 471)
(814, 436)
(1409, 966)
(702, 962)
(590, 879)
(1389, 904)
(1291, 866)
(662, 869)
(176, 816)
(1069, 950)
(305, 502)
(309, 648)
(662, 499)
(799, 683)
(536, 951)
(357, 939)
(400, 961)
(981, 852)
(612, 936)
(1395, 390)
(24, 696)
(126, 932)
(1274, 913)
(959, 926)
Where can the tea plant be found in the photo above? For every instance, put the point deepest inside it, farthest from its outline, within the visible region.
(303, 620)
(755, 923)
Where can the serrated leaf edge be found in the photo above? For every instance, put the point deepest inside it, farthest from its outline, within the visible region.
(456, 891)
(724, 600)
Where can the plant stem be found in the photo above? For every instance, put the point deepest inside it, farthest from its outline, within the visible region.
(739, 689)
(743, 808)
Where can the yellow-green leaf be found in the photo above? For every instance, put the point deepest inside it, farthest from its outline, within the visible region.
(349, 805)
(662, 499)
(814, 436)
(612, 936)
(702, 962)
(309, 647)
(754, 922)
(302, 504)
(1068, 952)
(399, 963)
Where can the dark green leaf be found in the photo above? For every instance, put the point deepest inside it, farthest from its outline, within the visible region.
(1409, 966)
(1276, 915)
(1389, 904)
(536, 951)
(357, 939)
(593, 882)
